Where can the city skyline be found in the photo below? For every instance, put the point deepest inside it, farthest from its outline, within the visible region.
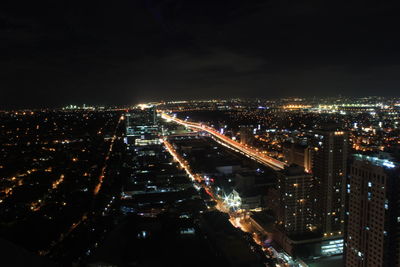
(290, 181)
(148, 133)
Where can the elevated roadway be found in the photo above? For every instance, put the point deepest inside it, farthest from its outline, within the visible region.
(224, 140)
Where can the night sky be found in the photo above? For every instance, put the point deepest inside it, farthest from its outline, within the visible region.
(122, 52)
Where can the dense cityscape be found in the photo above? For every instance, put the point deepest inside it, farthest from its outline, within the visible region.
(248, 182)
(182, 133)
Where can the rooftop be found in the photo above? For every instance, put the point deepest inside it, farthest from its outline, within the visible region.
(377, 161)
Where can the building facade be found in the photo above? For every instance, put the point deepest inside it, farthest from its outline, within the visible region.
(298, 154)
(373, 217)
(142, 128)
(295, 201)
(329, 169)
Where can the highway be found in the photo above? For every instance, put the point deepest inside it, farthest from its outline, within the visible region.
(245, 150)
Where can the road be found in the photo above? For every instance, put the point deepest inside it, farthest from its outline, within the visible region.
(103, 170)
(194, 176)
(245, 150)
(95, 192)
(236, 218)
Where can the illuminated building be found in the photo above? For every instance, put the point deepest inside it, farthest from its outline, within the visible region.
(296, 107)
(141, 127)
(329, 170)
(297, 233)
(295, 196)
(373, 223)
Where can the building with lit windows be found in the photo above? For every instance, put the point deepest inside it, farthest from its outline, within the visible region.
(141, 127)
(296, 231)
(373, 218)
(293, 212)
(329, 169)
(295, 197)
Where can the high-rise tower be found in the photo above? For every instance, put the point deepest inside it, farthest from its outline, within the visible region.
(329, 170)
(295, 201)
(373, 220)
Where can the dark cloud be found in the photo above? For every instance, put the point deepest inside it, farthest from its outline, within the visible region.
(121, 52)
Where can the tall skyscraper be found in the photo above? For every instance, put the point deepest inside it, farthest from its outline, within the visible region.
(295, 201)
(329, 170)
(295, 224)
(373, 219)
